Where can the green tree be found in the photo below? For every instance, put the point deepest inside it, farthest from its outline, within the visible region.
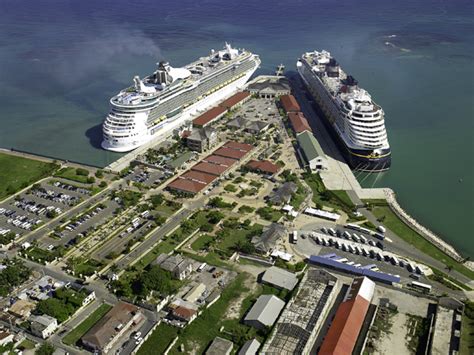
(45, 349)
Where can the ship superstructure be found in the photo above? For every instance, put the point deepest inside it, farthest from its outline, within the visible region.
(166, 99)
(356, 120)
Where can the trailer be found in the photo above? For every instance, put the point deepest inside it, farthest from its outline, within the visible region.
(355, 237)
(363, 239)
(381, 229)
(379, 236)
(294, 237)
(394, 260)
(324, 230)
(346, 234)
(332, 231)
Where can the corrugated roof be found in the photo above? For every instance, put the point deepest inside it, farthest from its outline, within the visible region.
(210, 168)
(280, 278)
(299, 122)
(239, 146)
(234, 99)
(216, 159)
(345, 328)
(198, 176)
(250, 347)
(186, 185)
(265, 310)
(309, 145)
(209, 116)
(264, 166)
(230, 153)
(289, 103)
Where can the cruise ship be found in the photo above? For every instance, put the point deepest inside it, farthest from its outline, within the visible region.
(166, 99)
(354, 119)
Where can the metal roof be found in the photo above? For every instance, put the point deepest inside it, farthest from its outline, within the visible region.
(250, 347)
(265, 310)
(374, 275)
(309, 145)
(280, 278)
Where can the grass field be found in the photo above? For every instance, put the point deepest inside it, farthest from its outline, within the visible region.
(74, 335)
(201, 242)
(397, 226)
(71, 174)
(159, 340)
(17, 173)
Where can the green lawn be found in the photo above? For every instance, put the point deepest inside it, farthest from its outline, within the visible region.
(71, 174)
(74, 335)
(17, 173)
(199, 334)
(409, 235)
(201, 242)
(27, 344)
(159, 340)
(343, 197)
(467, 340)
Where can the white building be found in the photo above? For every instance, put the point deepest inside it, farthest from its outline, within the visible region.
(43, 326)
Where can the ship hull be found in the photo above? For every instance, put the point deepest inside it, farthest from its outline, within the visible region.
(358, 159)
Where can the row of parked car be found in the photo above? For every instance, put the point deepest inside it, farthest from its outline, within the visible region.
(72, 226)
(358, 238)
(72, 188)
(56, 196)
(34, 207)
(18, 220)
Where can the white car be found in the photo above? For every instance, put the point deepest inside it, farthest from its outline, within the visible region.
(137, 335)
(138, 341)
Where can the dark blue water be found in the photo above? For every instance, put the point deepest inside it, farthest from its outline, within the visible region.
(60, 62)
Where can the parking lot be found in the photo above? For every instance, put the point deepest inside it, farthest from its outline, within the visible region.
(145, 176)
(38, 205)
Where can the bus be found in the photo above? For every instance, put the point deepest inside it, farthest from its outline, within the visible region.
(294, 237)
(201, 267)
(421, 286)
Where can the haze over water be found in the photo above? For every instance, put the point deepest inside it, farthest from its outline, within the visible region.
(61, 61)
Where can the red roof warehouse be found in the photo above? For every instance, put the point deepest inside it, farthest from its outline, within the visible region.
(289, 103)
(239, 146)
(209, 116)
(234, 100)
(230, 153)
(299, 122)
(345, 328)
(216, 159)
(209, 168)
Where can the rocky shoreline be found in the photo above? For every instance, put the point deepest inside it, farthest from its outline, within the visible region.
(423, 231)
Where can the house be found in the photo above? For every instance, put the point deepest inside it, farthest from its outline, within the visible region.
(112, 327)
(6, 337)
(22, 309)
(237, 123)
(268, 240)
(183, 314)
(179, 267)
(311, 152)
(201, 139)
(43, 326)
(279, 278)
(264, 312)
(269, 87)
(195, 293)
(283, 194)
(220, 346)
(257, 127)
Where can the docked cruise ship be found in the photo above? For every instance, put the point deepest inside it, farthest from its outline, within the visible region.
(166, 99)
(356, 121)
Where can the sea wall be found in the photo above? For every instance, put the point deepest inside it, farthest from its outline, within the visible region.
(423, 231)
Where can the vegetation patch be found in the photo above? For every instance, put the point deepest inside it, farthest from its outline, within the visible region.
(159, 340)
(62, 305)
(14, 274)
(75, 174)
(74, 335)
(269, 214)
(17, 173)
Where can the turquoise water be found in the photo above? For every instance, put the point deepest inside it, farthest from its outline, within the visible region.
(60, 62)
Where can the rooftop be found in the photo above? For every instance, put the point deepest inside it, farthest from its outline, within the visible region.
(284, 193)
(268, 239)
(250, 347)
(280, 278)
(213, 169)
(220, 346)
(239, 146)
(289, 103)
(265, 310)
(105, 329)
(201, 134)
(309, 145)
(230, 153)
(186, 185)
(270, 84)
(183, 158)
(299, 122)
(234, 99)
(209, 116)
(265, 166)
(198, 176)
(216, 159)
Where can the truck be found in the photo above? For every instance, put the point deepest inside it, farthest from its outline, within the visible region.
(294, 237)
(381, 229)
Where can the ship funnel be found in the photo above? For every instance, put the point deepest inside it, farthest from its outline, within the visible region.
(161, 75)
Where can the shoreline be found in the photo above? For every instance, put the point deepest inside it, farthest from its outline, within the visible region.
(426, 233)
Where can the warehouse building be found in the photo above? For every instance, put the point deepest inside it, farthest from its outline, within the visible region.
(269, 87)
(311, 152)
(202, 139)
(289, 104)
(263, 166)
(236, 100)
(279, 278)
(209, 116)
(298, 122)
(220, 346)
(342, 335)
(250, 347)
(264, 312)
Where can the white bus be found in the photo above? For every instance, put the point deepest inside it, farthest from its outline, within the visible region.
(201, 267)
(421, 286)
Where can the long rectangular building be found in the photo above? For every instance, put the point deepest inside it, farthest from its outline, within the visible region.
(345, 328)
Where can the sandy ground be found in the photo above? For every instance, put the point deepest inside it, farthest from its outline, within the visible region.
(395, 343)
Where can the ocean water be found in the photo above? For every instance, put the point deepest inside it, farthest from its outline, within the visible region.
(61, 61)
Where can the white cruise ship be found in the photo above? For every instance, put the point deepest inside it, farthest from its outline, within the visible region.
(356, 121)
(166, 99)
